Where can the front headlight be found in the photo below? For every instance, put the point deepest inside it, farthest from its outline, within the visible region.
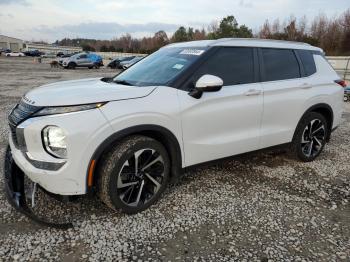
(66, 109)
(54, 140)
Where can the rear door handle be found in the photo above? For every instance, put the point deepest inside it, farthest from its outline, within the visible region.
(253, 92)
(305, 86)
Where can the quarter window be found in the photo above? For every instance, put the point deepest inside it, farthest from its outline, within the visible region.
(280, 64)
(308, 62)
(235, 65)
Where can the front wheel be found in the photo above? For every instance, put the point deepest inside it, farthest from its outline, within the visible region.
(134, 174)
(310, 137)
(71, 65)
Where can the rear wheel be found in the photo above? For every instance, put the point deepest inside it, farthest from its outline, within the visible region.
(310, 137)
(134, 174)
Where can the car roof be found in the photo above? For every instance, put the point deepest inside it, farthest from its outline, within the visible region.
(249, 42)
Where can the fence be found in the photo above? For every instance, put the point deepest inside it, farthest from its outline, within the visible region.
(341, 64)
(111, 55)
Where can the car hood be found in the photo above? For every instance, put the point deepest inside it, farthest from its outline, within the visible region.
(85, 91)
(65, 59)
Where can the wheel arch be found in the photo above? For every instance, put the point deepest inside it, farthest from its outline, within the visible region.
(72, 63)
(159, 133)
(325, 110)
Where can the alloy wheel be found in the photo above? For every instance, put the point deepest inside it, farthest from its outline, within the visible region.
(313, 138)
(140, 177)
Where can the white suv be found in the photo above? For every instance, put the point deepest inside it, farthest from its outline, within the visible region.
(186, 104)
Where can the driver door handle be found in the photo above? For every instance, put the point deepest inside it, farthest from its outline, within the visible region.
(253, 92)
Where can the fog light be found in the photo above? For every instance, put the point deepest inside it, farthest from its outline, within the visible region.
(54, 140)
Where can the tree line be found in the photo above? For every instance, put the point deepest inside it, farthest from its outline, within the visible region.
(332, 34)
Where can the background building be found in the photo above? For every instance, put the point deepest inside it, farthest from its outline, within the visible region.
(14, 44)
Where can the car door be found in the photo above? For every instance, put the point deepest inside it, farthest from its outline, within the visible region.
(284, 95)
(226, 122)
(83, 60)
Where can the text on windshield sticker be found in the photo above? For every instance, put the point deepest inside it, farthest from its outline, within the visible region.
(178, 66)
(192, 52)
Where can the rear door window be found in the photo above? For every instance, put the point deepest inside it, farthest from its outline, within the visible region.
(280, 64)
(235, 65)
(308, 62)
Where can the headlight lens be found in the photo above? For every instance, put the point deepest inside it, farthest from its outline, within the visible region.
(66, 109)
(54, 139)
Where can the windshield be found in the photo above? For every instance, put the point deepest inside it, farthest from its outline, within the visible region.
(75, 56)
(161, 67)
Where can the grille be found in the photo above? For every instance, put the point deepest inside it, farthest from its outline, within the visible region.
(21, 112)
(13, 134)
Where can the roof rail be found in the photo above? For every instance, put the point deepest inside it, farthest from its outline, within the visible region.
(262, 39)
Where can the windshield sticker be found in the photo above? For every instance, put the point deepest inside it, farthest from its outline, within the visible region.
(178, 66)
(192, 52)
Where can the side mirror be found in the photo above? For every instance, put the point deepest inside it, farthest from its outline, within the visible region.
(207, 83)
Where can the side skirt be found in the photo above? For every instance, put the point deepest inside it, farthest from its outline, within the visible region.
(217, 161)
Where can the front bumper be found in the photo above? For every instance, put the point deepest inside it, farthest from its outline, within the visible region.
(14, 182)
(70, 178)
(15, 192)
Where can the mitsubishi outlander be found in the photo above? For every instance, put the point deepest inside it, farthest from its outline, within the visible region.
(126, 137)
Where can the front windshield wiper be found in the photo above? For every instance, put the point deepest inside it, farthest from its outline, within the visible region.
(122, 82)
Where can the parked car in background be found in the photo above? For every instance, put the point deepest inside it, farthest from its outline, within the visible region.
(48, 55)
(34, 53)
(67, 55)
(127, 137)
(97, 59)
(88, 60)
(5, 50)
(14, 54)
(60, 54)
(126, 64)
(347, 94)
(116, 62)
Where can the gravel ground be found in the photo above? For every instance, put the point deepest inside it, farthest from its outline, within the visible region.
(260, 207)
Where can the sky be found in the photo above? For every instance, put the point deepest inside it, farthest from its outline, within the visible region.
(49, 20)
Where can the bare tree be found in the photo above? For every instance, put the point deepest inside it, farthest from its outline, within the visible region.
(265, 31)
(276, 26)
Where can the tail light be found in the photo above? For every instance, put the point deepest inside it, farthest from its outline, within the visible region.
(342, 83)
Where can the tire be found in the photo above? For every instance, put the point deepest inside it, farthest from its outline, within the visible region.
(118, 180)
(307, 146)
(346, 98)
(71, 65)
